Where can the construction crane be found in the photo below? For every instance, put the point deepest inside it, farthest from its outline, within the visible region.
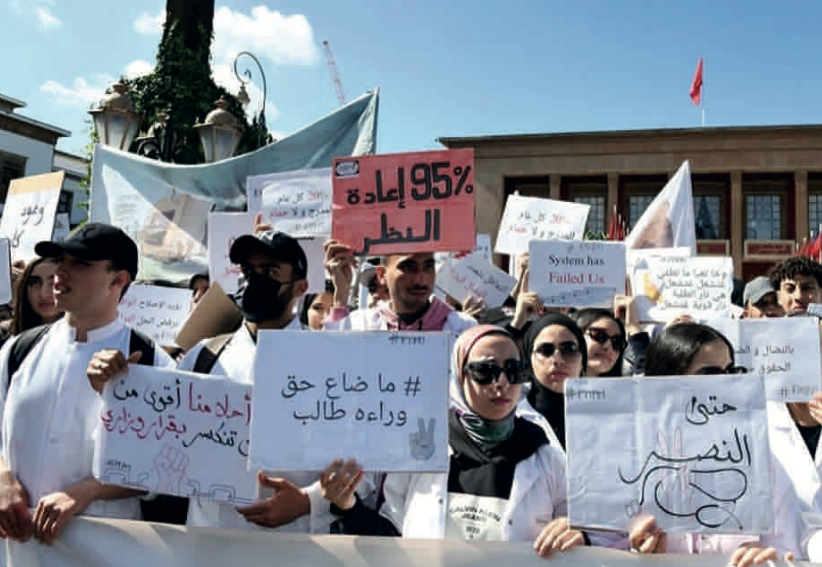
(334, 74)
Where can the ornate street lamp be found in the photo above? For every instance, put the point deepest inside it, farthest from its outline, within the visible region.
(160, 141)
(220, 133)
(115, 119)
(242, 96)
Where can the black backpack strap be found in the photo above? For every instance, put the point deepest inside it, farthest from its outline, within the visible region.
(141, 343)
(211, 351)
(22, 347)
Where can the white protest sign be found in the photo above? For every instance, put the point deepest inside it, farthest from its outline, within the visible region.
(577, 273)
(387, 405)
(529, 218)
(223, 230)
(637, 258)
(691, 451)
(484, 247)
(474, 276)
(5, 272)
(296, 202)
(28, 214)
(314, 253)
(784, 351)
(62, 227)
(700, 287)
(156, 311)
(177, 433)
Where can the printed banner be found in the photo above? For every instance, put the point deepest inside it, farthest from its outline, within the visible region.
(532, 218)
(387, 406)
(700, 287)
(474, 276)
(176, 433)
(577, 273)
(29, 211)
(156, 311)
(295, 202)
(405, 203)
(785, 351)
(692, 451)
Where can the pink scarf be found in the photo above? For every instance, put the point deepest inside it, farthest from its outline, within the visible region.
(432, 320)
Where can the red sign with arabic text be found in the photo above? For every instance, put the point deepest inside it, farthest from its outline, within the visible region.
(405, 203)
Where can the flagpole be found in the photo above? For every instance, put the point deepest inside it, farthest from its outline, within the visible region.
(702, 99)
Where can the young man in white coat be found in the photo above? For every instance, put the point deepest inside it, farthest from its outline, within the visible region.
(49, 412)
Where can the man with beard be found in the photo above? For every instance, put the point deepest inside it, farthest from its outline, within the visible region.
(274, 267)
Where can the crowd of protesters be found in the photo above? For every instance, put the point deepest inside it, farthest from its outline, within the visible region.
(506, 424)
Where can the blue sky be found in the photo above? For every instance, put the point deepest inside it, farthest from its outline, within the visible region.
(450, 68)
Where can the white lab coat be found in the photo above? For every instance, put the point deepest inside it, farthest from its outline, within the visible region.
(416, 503)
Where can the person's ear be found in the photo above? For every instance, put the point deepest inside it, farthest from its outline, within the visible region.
(300, 287)
(121, 279)
(381, 275)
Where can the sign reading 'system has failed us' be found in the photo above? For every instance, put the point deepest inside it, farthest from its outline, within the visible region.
(405, 203)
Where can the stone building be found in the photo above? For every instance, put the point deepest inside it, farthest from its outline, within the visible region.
(757, 189)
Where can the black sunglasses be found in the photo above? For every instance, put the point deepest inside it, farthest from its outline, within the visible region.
(568, 349)
(602, 337)
(730, 369)
(485, 372)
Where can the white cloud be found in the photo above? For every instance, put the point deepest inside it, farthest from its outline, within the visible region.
(138, 68)
(46, 19)
(81, 93)
(224, 76)
(283, 40)
(146, 24)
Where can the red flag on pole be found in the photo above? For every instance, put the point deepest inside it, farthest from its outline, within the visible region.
(612, 225)
(696, 84)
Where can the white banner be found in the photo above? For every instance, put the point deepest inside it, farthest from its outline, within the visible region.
(474, 276)
(785, 351)
(97, 542)
(176, 433)
(29, 211)
(577, 273)
(5, 271)
(380, 397)
(62, 227)
(700, 287)
(156, 311)
(528, 218)
(296, 202)
(692, 451)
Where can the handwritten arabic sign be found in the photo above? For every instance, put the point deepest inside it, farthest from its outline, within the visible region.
(785, 351)
(637, 258)
(692, 451)
(529, 218)
(28, 215)
(387, 406)
(474, 276)
(176, 433)
(700, 287)
(156, 311)
(296, 202)
(577, 273)
(400, 203)
(223, 230)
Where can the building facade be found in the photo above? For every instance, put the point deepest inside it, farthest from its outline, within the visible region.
(757, 190)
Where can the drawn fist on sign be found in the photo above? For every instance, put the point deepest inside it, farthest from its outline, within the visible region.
(170, 465)
(421, 442)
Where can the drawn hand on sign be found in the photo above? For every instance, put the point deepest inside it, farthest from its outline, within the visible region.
(170, 465)
(421, 442)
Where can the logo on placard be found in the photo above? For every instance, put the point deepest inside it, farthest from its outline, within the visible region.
(348, 168)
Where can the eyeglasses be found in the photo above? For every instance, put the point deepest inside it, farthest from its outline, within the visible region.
(602, 337)
(568, 349)
(485, 372)
(730, 369)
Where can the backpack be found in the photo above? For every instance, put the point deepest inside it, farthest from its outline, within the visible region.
(211, 351)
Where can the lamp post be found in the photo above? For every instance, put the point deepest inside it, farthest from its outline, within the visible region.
(242, 96)
(115, 119)
(220, 133)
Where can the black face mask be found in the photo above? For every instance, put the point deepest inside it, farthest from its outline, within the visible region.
(260, 298)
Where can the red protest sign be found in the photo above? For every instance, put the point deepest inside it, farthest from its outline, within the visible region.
(405, 203)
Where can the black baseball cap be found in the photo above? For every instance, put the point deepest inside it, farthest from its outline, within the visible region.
(278, 245)
(95, 241)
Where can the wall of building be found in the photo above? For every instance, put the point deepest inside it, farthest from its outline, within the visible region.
(39, 155)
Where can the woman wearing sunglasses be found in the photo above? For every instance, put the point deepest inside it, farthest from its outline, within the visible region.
(605, 341)
(504, 483)
(687, 349)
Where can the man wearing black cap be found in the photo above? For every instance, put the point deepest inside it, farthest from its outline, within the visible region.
(49, 411)
(274, 267)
